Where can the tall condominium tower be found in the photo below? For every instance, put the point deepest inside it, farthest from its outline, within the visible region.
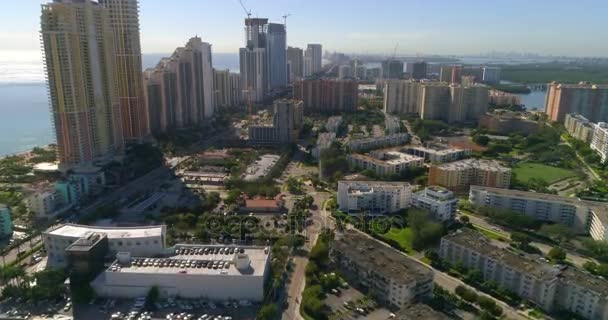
(313, 58)
(179, 91)
(419, 70)
(78, 46)
(392, 69)
(588, 100)
(254, 60)
(124, 21)
(277, 55)
(227, 88)
(295, 63)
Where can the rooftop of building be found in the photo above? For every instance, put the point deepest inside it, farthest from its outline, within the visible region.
(474, 163)
(394, 158)
(420, 311)
(475, 241)
(381, 258)
(81, 231)
(369, 186)
(87, 242)
(190, 259)
(577, 116)
(580, 85)
(585, 280)
(326, 138)
(600, 208)
(258, 202)
(438, 149)
(387, 137)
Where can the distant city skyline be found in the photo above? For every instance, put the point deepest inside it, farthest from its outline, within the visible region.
(424, 27)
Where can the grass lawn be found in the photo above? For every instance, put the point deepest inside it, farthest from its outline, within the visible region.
(402, 236)
(528, 170)
(491, 234)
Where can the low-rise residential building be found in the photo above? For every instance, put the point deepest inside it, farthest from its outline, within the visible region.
(367, 144)
(213, 272)
(373, 197)
(506, 122)
(552, 288)
(333, 124)
(528, 278)
(42, 200)
(395, 278)
(263, 205)
(584, 217)
(579, 127)
(461, 174)
(439, 201)
(141, 241)
(420, 311)
(324, 142)
(599, 141)
(6, 222)
(385, 163)
(435, 153)
(197, 179)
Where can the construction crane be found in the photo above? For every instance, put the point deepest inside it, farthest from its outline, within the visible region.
(247, 12)
(285, 19)
(395, 51)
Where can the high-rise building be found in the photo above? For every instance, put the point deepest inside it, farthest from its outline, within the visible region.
(491, 75)
(179, 91)
(313, 59)
(227, 88)
(124, 21)
(277, 55)
(418, 70)
(286, 124)
(391, 69)
(401, 96)
(79, 58)
(255, 78)
(6, 223)
(345, 72)
(588, 100)
(327, 96)
(295, 63)
(467, 103)
(434, 100)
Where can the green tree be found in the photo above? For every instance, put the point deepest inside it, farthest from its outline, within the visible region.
(466, 294)
(521, 238)
(268, 312)
(557, 254)
(152, 298)
(481, 140)
(558, 232)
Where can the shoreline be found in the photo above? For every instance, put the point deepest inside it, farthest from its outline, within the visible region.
(25, 152)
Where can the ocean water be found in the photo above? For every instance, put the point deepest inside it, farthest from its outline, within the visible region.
(24, 109)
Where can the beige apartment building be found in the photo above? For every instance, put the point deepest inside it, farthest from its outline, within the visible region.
(461, 174)
(579, 127)
(588, 100)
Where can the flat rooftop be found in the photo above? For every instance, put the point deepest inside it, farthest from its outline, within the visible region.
(420, 311)
(585, 280)
(199, 260)
(80, 231)
(381, 258)
(394, 158)
(436, 149)
(475, 163)
(475, 241)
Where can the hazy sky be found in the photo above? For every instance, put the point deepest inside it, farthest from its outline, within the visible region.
(558, 27)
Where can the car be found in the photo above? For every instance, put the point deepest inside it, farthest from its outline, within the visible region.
(67, 307)
(335, 292)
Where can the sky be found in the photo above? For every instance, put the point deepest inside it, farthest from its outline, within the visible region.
(447, 27)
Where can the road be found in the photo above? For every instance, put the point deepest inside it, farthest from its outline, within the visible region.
(590, 172)
(26, 246)
(320, 218)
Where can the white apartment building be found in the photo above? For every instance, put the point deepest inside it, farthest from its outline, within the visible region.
(395, 278)
(385, 163)
(241, 276)
(373, 197)
(324, 142)
(585, 217)
(528, 278)
(599, 141)
(333, 124)
(377, 143)
(140, 241)
(439, 201)
(43, 203)
(552, 288)
(437, 153)
(392, 124)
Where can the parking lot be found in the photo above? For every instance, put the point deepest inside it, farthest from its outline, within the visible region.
(168, 309)
(352, 304)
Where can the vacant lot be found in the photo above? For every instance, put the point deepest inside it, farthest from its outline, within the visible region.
(529, 170)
